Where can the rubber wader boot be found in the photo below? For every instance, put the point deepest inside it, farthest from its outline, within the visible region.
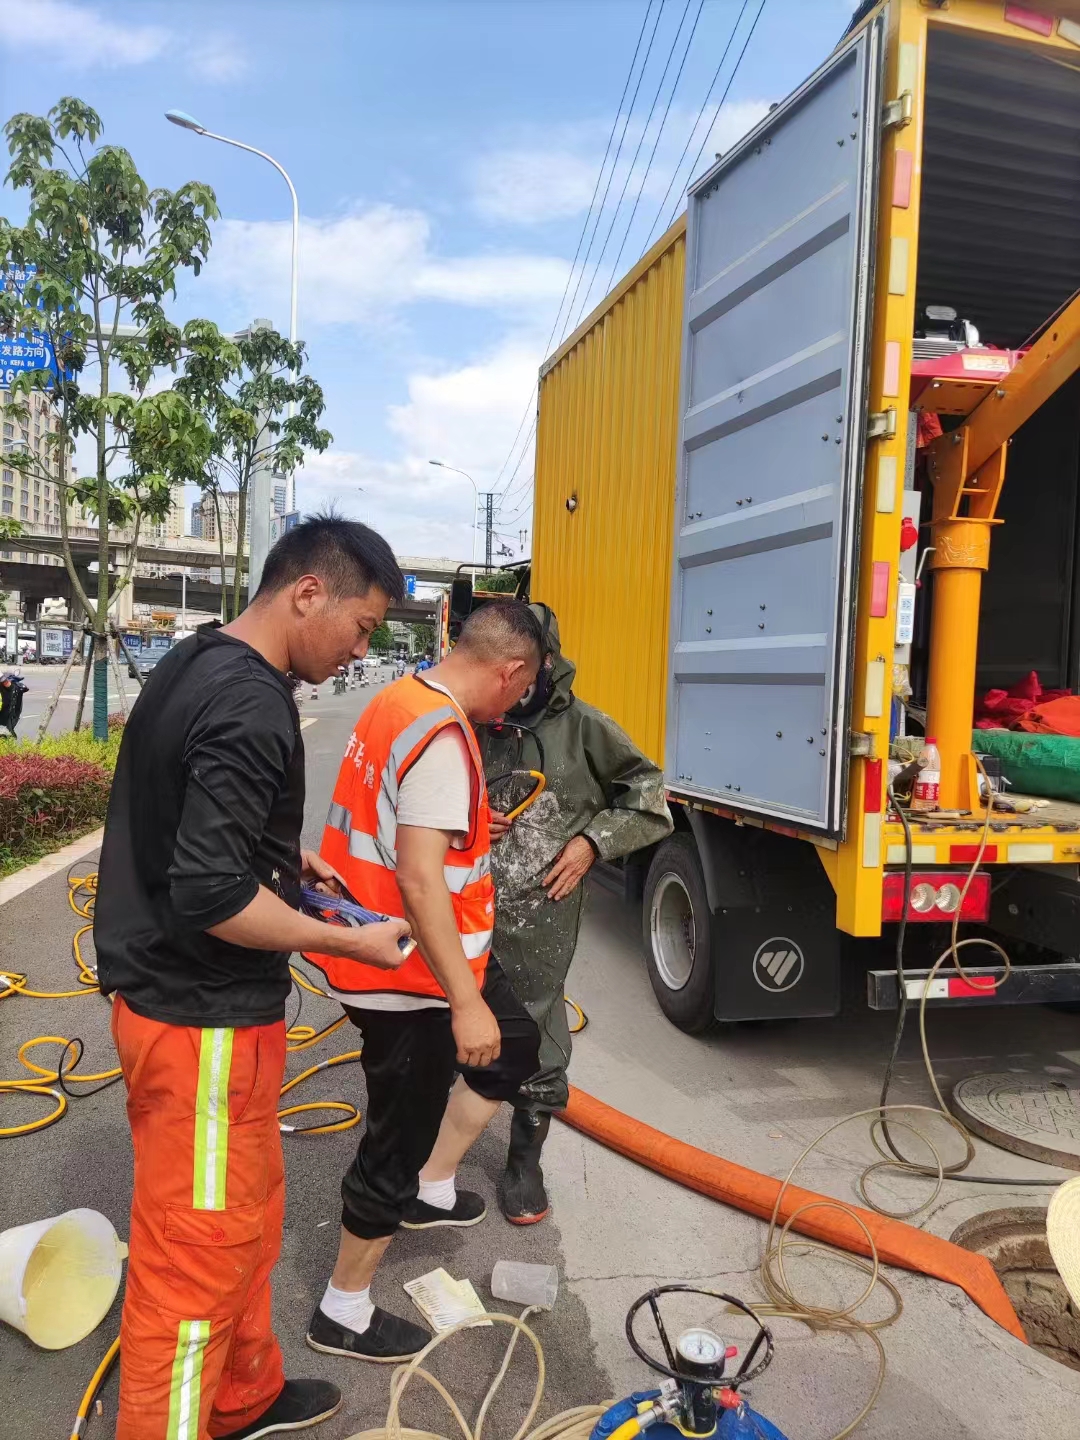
(522, 1197)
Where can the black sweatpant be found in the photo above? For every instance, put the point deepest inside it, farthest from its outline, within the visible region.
(409, 1059)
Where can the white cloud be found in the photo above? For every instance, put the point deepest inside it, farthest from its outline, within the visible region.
(555, 178)
(524, 186)
(217, 58)
(361, 267)
(85, 38)
(467, 417)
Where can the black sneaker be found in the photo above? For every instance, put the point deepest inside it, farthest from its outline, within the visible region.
(469, 1209)
(300, 1404)
(387, 1340)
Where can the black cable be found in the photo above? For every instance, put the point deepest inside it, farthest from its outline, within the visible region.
(901, 1019)
(901, 984)
(60, 1073)
(585, 227)
(697, 121)
(633, 162)
(660, 131)
(299, 1007)
(720, 106)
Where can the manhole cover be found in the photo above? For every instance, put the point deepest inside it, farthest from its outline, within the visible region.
(1029, 1112)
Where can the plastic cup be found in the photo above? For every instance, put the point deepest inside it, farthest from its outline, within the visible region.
(523, 1284)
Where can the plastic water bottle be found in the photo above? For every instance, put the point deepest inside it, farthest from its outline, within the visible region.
(524, 1284)
(924, 793)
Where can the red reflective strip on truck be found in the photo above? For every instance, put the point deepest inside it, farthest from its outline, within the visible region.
(977, 985)
(872, 788)
(1033, 20)
(968, 854)
(950, 987)
(902, 171)
(879, 589)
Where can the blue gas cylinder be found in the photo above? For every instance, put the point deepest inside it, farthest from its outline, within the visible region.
(745, 1424)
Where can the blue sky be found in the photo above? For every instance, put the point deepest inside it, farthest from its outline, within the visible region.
(445, 154)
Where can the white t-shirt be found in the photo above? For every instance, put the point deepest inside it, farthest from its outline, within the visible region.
(435, 794)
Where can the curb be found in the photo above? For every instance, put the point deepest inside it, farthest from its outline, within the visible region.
(48, 866)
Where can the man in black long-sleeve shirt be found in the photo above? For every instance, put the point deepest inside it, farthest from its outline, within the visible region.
(199, 884)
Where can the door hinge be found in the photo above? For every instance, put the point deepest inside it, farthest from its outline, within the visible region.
(862, 742)
(881, 424)
(895, 114)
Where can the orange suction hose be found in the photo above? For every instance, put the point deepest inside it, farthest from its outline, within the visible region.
(897, 1243)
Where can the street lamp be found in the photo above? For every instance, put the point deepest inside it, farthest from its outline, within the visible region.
(188, 122)
(476, 504)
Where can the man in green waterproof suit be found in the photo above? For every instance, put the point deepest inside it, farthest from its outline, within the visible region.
(603, 799)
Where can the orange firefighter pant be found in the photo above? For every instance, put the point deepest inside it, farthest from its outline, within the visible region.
(198, 1357)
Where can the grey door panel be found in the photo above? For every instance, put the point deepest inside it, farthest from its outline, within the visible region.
(779, 286)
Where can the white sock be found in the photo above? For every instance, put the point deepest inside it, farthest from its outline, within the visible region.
(440, 1193)
(351, 1308)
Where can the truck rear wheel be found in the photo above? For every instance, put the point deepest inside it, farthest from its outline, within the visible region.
(676, 929)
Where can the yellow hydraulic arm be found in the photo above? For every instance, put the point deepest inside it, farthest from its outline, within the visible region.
(967, 468)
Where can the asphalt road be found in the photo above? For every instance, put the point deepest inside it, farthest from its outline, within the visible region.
(755, 1095)
(43, 680)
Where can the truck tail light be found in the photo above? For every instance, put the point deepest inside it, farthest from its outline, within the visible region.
(935, 895)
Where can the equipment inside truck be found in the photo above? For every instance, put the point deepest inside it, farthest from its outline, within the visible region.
(999, 241)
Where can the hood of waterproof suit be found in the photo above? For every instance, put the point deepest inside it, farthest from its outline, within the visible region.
(553, 690)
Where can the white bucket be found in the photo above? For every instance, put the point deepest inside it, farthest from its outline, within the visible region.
(58, 1277)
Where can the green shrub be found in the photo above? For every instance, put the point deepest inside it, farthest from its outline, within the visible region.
(53, 790)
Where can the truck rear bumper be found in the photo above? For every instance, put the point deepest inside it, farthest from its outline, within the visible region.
(1026, 985)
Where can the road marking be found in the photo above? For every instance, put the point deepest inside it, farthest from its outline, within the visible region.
(311, 720)
(33, 875)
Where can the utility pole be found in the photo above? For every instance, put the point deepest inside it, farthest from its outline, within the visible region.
(489, 525)
(260, 497)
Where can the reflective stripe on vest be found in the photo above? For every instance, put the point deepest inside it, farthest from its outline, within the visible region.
(369, 847)
(360, 839)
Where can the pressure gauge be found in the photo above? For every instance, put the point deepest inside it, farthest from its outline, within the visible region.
(700, 1352)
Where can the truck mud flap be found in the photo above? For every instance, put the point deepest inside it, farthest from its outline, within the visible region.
(777, 963)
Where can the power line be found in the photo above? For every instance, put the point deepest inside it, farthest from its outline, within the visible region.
(607, 151)
(727, 88)
(596, 227)
(697, 122)
(656, 139)
(633, 162)
(588, 213)
(720, 106)
(570, 325)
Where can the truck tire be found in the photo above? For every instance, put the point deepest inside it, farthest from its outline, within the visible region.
(677, 934)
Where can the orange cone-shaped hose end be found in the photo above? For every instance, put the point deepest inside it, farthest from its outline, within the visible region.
(897, 1243)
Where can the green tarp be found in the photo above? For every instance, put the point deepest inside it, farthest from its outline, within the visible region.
(1047, 765)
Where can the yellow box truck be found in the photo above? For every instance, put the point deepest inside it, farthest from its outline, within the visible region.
(807, 483)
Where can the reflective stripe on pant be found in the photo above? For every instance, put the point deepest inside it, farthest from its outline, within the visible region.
(198, 1357)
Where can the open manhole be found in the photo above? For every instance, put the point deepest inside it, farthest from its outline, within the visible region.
(1014, 1241)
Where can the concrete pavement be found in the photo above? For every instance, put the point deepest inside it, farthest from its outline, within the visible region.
(755, 1095)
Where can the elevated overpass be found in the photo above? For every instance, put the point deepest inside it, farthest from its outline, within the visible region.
(36, 583)
(187, 552)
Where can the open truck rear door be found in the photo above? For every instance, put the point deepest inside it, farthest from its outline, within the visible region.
(779, 287)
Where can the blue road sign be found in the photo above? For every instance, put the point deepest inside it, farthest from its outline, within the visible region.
(19, 353)
(410, 585)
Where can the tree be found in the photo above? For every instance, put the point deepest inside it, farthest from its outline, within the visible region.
(423, 637)
(381, 642)
(242, 390)
(100, 249)
(502, 582)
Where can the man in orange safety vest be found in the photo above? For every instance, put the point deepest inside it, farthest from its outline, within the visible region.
(408, 832)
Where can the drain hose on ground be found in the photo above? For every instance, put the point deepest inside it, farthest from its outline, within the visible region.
(848, 1227)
